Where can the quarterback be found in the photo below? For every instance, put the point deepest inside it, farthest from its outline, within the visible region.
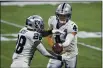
(68, 39)
(29, 40)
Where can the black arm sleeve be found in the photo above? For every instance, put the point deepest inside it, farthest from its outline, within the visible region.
(45, 33)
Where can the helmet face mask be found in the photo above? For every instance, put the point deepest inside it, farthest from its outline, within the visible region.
(63, 18)
(63, 13)
(35, 22)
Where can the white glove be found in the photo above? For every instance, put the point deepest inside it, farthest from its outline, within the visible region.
(56, 31)
(67, 57)
(64, 58)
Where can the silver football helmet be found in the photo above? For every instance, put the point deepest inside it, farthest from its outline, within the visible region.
(63, 12)
(35, 22)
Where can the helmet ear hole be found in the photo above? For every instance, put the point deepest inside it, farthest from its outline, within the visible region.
(30, 24)
(27, 22)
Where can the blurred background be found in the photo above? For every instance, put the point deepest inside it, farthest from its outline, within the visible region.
(87, 15)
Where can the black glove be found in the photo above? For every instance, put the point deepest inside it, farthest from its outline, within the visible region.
(59, 58)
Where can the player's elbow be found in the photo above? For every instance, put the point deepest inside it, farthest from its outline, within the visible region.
(74, 33)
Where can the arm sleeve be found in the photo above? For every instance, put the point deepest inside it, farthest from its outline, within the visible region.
(69, 38)
(46, 33)
(42, 50)
(50, 22)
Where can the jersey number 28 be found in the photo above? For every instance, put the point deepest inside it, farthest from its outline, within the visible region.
(20, 44)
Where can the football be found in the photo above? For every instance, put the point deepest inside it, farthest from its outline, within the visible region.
(57, 48)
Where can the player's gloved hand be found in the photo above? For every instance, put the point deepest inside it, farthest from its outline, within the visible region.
(59, 58)
(63, 58)
(57, 31)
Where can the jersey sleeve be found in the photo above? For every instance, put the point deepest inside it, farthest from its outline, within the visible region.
(50, 22)
(73, 28)
(43, 50)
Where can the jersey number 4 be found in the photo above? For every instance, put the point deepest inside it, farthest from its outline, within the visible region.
(75, 28)
(20, 44)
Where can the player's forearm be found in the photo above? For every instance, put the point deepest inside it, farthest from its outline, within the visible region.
(46, 33)
(69, 38)
(42, 50)
(54, 56)
(46, 53)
